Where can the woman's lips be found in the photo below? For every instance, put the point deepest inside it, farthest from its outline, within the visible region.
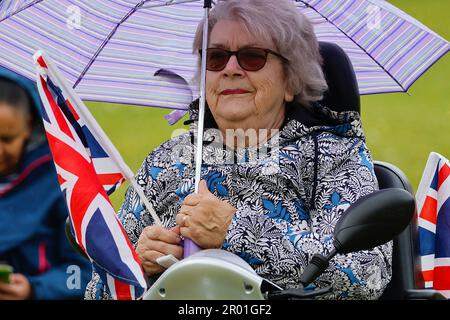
(234, 91)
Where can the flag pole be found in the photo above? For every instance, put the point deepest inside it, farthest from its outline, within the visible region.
(98, 132)
(189, 246)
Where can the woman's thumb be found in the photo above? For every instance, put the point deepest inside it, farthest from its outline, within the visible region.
(203, 187)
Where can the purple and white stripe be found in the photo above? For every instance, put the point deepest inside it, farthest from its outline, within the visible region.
(389, 49)
(114, 52)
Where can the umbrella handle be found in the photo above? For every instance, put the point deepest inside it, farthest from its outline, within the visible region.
(189, 248)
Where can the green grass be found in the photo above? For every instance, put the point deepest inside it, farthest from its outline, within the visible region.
(404, 128)
(401, 128)
(135, 131)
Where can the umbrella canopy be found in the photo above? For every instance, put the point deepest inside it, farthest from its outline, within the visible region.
(139, 52)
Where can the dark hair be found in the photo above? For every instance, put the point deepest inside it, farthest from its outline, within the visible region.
(14, 95)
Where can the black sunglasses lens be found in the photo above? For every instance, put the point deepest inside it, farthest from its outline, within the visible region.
(252, 59)
(216, 59)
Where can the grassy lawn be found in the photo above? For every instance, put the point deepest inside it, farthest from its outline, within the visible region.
(135, 131)
(404, 128)
(401, 128)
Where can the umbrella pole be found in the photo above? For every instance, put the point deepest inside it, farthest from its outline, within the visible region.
(201, 111)
(189, 246)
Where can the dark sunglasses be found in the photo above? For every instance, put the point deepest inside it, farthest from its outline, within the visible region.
(250, 59)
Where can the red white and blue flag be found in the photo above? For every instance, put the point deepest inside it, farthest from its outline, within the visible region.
(88, 168)
(433, 205)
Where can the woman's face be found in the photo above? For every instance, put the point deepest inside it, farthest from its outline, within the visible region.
(15, 128)
(245, 99)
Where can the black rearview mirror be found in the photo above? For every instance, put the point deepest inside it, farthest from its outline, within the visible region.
(371, 221)
(374, 220)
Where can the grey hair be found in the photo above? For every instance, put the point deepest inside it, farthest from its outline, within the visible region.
(281, 23)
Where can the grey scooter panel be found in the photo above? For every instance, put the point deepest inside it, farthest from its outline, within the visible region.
(208, 275)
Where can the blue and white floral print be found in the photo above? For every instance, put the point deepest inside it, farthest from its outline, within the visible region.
(287, 203)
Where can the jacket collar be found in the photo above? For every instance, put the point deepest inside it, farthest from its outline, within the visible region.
(300, 120)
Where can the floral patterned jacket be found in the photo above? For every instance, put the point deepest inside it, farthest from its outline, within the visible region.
(288, 200)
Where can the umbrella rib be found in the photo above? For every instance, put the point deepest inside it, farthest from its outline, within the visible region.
(168, 3)
(20, 10)
(432, 64)
(138, 6)
(102, 46)
(350, 38)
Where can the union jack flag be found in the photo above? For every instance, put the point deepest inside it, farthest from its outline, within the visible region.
(87, 172)
(433, 205)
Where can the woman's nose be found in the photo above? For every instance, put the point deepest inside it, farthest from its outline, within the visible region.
(232, 68)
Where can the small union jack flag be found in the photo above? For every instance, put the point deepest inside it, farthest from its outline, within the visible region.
(88, 171)
(433, 205)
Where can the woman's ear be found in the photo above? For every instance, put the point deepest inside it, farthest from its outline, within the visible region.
(289, 95)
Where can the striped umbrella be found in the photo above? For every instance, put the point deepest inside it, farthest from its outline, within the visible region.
(139, 52)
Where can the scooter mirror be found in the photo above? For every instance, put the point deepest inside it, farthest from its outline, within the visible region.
(373, 220)
(369, 222)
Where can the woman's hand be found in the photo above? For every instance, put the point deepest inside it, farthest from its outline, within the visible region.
(19, 288)
(155, 242)
(204, 218)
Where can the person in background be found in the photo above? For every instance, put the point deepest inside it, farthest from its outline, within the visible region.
(32, 209)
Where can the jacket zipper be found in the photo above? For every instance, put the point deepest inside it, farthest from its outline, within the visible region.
(316, 164)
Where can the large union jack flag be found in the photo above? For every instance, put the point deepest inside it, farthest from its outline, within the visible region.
(87, 174)
(433, 205)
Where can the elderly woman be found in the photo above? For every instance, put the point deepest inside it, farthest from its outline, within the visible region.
(263, 72)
